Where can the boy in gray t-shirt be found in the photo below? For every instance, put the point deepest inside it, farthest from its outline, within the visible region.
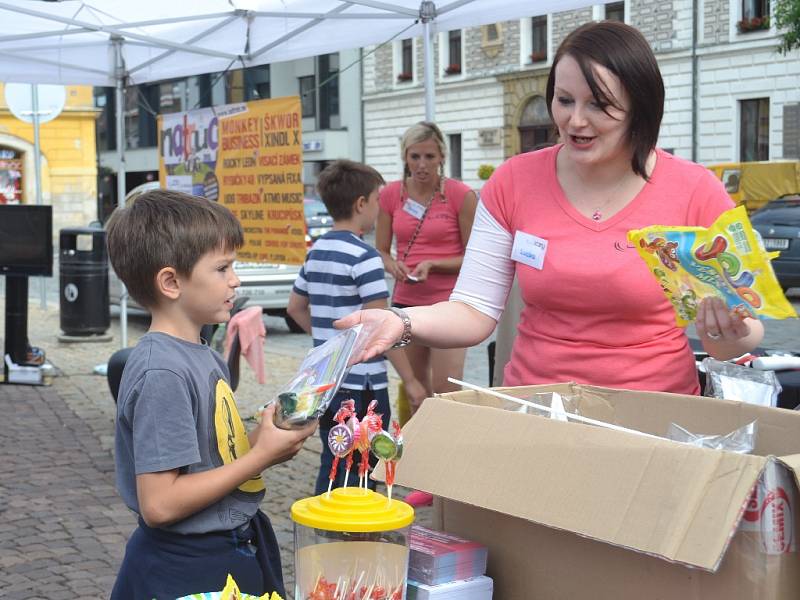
(185, 463)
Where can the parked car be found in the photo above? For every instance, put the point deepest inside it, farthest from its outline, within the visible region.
(318, 220)
(756, 183)
(266, 285)
(778, 223)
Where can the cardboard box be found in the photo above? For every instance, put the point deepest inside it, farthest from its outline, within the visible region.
(572, 511)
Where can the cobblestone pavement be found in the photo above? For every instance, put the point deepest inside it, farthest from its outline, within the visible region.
(63, 527)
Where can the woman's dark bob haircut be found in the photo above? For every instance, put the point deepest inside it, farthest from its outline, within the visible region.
(622, 50)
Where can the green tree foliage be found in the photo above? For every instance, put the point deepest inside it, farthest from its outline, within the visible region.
(787, 17)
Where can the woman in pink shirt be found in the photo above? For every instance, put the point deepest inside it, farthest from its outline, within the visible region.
(430, 217)
(558, 219)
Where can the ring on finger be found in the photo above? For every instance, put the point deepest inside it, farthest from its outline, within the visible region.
(713, 336)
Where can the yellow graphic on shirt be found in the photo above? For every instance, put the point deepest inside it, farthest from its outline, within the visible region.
(232, 439)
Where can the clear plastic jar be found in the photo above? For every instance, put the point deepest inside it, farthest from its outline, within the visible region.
(351, 544)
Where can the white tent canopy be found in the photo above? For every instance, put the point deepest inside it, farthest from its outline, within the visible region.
(72, 42)
(125, 42)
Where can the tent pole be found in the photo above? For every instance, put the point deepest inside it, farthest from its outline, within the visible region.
(119, 103)
(37, 159)
(427, 13)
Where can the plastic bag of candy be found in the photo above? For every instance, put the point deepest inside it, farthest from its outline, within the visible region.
(727, 260)
(308, 394)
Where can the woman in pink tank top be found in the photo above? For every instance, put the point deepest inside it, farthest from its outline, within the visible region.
(558, 218)
(430, 218)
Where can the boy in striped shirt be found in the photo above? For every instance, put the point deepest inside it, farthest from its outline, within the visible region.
(343, 274)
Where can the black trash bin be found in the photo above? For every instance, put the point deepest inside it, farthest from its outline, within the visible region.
(83, 269)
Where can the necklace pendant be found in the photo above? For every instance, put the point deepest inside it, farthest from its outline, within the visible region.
(596, 215)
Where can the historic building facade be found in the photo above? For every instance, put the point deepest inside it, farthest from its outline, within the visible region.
(729, 94)
(68, 165)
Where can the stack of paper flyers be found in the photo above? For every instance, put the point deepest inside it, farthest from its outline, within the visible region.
(438, 557)
(478, 588)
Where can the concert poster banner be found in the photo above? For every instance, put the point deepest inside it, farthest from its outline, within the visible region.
(249, 157)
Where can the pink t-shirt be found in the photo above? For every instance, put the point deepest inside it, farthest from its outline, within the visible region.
(594, 313)
(439, 237)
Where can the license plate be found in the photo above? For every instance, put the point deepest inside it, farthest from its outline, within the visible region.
(260, 292)
(776, 243)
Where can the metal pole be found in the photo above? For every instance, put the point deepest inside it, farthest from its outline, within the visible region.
(119, 103)
(37, 161)
(427, 13)
(695, 84)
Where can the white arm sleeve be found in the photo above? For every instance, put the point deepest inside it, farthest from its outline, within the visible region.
(487, 271)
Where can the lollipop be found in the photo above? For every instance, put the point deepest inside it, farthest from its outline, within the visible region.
(370, 425)
(340, 437)
(388, 447)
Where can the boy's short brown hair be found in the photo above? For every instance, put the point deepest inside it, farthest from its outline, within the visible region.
(165, 228)
(343, 182)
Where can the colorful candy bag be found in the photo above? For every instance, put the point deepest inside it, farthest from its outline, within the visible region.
(231, 592)
(726, 260)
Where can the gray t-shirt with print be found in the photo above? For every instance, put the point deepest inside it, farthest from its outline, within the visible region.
(177, 411)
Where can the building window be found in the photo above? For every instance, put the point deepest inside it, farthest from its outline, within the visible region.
(142, 104)
(406, 61)
(755, 16)
(535, 127)
(492, 39)
(10, 176)
(754, 129)
(248, 84)
(539, 38)
(453, 66)
(455, 155)
(615, 11)
(308, 96)
(328, 73)
(105, 130)
(257, 83)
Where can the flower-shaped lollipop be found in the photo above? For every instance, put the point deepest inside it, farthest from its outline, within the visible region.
(340, 437)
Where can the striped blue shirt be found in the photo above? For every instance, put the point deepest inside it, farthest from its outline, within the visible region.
(341, 274)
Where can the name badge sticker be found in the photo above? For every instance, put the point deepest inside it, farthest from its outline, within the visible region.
(414, 208)
(529, 249)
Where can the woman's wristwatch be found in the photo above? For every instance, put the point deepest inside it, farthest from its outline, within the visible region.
(405, 339)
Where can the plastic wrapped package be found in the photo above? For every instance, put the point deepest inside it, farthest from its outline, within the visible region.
(734, 382)
(741, 441)
(438, 557)
(309, 393)
(560, 406)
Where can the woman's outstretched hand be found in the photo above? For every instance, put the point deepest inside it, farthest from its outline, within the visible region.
(383, 327)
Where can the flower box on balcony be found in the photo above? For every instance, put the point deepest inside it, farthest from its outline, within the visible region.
(454, 69)
(752, 24)
(538, 56)
(404, 77)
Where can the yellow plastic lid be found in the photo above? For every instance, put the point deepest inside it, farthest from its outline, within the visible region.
(352, 509)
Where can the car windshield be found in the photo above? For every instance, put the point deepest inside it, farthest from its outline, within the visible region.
(314, 207)
(782, 211)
